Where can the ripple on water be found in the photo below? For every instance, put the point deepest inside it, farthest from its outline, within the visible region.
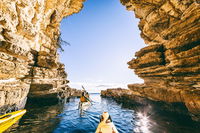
(67, 119)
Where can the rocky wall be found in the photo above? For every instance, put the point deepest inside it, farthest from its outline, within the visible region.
(170, 64)
(29, 39)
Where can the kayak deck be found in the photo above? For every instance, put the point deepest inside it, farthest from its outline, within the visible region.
(9, 119)
(106, 128)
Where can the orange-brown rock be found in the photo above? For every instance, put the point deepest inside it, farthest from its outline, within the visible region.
(130, 99)
(29, 39)
(170, 64)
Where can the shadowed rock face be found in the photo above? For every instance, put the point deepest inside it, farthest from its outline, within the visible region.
(29, 38)
(129, 98)
(170, 64)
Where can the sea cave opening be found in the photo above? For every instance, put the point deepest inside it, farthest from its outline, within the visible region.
(103, 37)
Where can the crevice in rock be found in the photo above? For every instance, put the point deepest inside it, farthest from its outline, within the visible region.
(53, 17)
(187, 46)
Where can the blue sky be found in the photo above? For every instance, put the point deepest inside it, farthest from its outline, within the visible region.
(104, 36)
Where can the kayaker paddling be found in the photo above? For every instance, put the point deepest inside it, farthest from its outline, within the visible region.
(106, 125)
(85, 101)
(84, 98)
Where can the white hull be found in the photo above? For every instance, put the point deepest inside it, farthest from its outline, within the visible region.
(84, 105)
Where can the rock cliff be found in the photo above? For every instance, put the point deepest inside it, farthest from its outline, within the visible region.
(29, 39)
(170, 64)
(129, 99)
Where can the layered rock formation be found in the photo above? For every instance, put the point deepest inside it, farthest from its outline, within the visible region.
(170, 64)
(129, 99)
(29, 40)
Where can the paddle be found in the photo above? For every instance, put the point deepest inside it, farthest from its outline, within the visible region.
(86, 91)
(83, 88)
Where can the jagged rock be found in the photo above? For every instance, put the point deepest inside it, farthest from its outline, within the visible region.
(29, 34)
(129, 99)
(169, 65)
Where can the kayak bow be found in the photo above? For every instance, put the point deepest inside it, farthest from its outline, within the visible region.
(9, 119)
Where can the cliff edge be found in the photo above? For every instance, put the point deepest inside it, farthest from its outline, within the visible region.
(170, 64)
(29, 39)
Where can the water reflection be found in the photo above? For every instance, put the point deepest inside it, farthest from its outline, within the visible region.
(41, 117)
(58, 118)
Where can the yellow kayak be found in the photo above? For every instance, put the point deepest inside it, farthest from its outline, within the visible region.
(9, 119)
(106, 128)
(106, 125)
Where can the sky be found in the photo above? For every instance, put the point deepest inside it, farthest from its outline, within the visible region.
(103, 37)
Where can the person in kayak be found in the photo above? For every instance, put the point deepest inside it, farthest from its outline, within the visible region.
(87, 95)
(106, 125)
(84, 98)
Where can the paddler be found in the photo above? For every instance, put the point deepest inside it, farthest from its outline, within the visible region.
(86, 94)
(84, 98)
(106, 125)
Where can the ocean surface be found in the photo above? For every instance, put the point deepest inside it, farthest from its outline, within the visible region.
(51, 117)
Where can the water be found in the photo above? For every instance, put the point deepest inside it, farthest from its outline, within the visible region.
(59, 118)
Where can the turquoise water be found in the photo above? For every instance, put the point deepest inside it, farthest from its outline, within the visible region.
(66, 118)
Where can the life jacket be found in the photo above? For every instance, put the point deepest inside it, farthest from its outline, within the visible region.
(83, 99)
